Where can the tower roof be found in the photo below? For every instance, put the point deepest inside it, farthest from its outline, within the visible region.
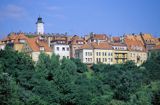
(39, 20)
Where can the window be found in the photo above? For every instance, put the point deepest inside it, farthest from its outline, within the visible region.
(57, 48)
(105, 59)
(97, 59)
(41, 48)
(109, 54)
(105, 54)
(86, 53)
(90, 53)
(63, 48)
(111, 60)
(67, 48)
(102, 53)
(97, 53)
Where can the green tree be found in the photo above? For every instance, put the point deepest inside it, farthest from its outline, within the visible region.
(81, 67)
(8, 91)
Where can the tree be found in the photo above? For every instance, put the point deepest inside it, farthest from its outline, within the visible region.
(8, 91)
(81, 67)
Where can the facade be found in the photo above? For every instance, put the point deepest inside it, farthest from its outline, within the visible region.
(59, 45)
(148, 40)
(103, 53)
(35, 46)
(85, 54)
(32, 46)
(95, 53)
(40, 26)
(137, 52)
(75, 43)
(16, 41)
(120, 53)
(2, 45)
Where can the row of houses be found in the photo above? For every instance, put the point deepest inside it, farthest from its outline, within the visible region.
(93, 48)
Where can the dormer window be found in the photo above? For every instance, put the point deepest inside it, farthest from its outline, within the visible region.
(41, 48)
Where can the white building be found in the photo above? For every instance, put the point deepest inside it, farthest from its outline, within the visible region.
(85, 54)
(40, 26)
(2, 46)
(62, 50)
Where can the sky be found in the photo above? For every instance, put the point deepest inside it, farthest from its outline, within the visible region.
(81, 17)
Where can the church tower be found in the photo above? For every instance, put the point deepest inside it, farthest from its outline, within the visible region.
(40, 26)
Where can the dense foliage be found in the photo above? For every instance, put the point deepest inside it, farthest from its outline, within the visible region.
(51, 81)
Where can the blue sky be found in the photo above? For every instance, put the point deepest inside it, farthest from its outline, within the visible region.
(113, 17)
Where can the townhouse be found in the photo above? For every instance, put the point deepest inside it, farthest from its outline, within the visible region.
(85, 54)
(120, 54)
(60, 46)
(95, 53)
(75, 43)
(137, 52)
(32, 46)
(35, 46)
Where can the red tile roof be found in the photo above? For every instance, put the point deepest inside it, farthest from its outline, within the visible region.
(35, 44)
(134, 44)
(94, 45)
(116, 39)
(76, 39)
(100, 36)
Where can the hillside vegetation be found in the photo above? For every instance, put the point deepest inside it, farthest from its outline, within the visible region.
(51, 81)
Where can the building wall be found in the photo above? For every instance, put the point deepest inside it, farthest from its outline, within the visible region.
(137, 57)
(85, 55)
(40, 28)
(64, 50)
(120, 56)
(18, 47)
(73, 48)
(88, 56)
(35, 55)
(2, 46)
(103, 56)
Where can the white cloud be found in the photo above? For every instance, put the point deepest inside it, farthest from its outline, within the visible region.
(12, 11)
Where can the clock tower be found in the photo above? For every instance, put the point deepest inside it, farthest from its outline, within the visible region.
(40, 26)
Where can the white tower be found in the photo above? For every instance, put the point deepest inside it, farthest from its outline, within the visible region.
(40, 26)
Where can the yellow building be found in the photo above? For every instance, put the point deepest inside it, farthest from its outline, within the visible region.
(102, 53)
(120, 54)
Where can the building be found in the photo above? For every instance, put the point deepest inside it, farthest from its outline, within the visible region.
(155, 51)
(103, 53)
(85, 54)
(120, 53)
(95, 53)
(137, 52)
(2, 45)
(148, 40)
(39, 26)
(15, 40)
(97, 38)
(32, 46)
(75, 43)
(59, 45)
(35, 46)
